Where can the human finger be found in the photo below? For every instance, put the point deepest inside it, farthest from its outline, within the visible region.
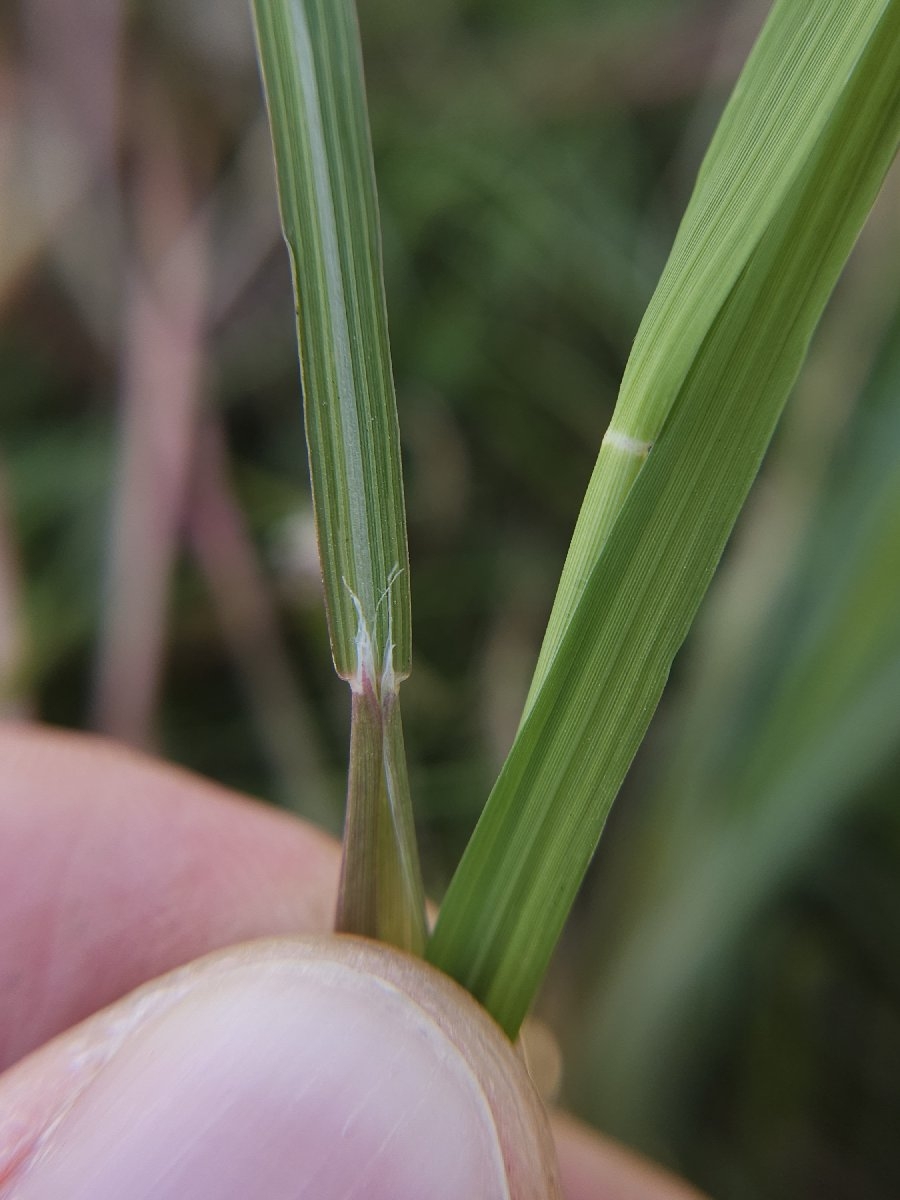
(115, 868)
(593, 1167)
(322, 1068)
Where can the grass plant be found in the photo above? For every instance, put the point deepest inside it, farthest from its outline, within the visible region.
(726, 987)
(795, 165)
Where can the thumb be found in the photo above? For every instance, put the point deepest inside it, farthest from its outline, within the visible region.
(315, 1069)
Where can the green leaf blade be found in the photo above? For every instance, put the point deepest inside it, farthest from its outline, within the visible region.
(780, 109)
(789, 743)
(312, 71)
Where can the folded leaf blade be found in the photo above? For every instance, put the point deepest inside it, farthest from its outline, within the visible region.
(310, 58)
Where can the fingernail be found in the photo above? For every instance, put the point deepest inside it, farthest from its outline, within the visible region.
(277, 1081)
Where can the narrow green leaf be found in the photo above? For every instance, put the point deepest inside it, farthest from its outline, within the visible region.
(771, 127)
(804, 733)
(636, 599)
(312, 72)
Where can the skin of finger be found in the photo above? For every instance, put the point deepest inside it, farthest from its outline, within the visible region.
(48, 1086)
(594, 1168)
(115, 869)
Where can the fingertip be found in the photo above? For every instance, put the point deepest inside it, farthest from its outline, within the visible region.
(321, 1068)
(115, 868)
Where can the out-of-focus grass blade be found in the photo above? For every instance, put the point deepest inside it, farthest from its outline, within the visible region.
(805, 732)
(779, 111)
(518, 878)
(312, 72)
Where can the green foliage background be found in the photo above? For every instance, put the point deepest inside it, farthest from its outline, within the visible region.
(727, 992)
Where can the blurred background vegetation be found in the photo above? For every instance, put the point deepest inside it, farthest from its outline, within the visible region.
(728, 990)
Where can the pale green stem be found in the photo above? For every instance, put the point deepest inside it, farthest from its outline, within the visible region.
(381, 893)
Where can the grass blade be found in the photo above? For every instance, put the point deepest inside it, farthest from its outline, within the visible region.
(312, 73)
(803, 734)
(778, 113)
(634, 604)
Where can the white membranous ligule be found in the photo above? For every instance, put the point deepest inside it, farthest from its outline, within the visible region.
(387, 682)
